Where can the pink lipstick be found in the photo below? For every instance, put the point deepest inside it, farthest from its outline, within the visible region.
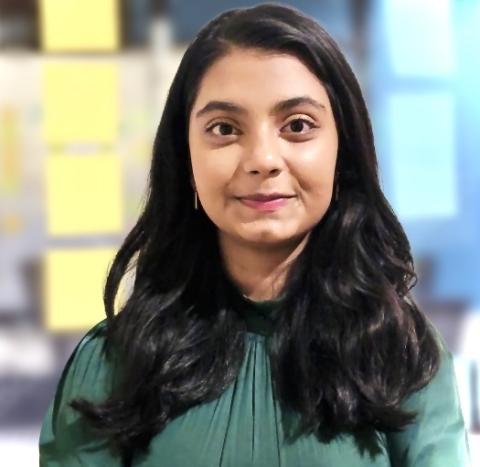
(265, 205)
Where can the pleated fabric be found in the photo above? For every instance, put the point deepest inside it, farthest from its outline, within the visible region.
(245, 426)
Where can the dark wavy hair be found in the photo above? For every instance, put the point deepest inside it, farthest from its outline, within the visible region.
(349, 345)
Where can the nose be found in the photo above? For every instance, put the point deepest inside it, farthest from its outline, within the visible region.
(262, 154)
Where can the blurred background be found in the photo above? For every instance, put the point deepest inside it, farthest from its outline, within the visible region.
(82, 87)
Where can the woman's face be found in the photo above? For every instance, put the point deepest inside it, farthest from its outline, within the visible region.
(262, 124)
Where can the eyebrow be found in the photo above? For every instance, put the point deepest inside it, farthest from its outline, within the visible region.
(278, 107)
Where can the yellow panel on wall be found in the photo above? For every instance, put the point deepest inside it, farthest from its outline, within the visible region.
(79, 25)
(10, 151)
(80, 101)
(83, 194)
(73, 287)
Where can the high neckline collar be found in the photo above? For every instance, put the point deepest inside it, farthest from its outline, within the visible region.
(259, 315)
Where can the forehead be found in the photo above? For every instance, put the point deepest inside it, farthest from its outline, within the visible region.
(258, 77)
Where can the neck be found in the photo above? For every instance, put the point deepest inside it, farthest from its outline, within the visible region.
(257, 270)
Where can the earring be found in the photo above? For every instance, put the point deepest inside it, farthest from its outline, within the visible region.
(195, 200)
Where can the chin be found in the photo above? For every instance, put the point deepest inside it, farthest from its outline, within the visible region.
(266, 239)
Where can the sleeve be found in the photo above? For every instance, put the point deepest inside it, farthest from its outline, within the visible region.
(66, 440)
(438, 437)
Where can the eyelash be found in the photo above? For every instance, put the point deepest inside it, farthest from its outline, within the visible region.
(220, 122)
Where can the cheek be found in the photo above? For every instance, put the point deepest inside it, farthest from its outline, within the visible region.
(314, 169)
(213, 170)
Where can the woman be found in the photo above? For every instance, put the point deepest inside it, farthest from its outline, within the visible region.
(270, 323)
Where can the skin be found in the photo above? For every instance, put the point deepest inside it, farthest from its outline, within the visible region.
(262, 149)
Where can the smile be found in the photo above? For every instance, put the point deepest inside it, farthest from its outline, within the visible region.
(265, 205)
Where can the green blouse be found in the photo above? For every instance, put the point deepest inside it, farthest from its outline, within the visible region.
(245, 425)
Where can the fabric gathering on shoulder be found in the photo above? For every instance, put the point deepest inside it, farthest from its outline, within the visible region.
(87, 374)
(437, 438)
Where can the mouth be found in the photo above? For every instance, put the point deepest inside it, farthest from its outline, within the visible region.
(266, 203)
(266, 196)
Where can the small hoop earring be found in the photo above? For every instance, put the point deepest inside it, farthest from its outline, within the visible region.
(195, 200)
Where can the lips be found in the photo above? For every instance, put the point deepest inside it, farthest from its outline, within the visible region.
(266, 203)
(266, 197)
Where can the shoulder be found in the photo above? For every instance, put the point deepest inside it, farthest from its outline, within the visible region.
(88, 374)
(88, 371)
(94, 338)
(438, 434)
(443, 376)
(445, 371)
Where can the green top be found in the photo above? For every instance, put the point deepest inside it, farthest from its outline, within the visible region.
(245, 425)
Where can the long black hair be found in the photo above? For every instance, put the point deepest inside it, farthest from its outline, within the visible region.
(349, 344)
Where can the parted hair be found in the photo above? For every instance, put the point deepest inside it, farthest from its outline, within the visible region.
(350, 343)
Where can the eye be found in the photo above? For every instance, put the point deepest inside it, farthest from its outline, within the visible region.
(224, 129)
(298, 124)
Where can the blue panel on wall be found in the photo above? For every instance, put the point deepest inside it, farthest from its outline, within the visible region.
(420, 37)
(423, 155)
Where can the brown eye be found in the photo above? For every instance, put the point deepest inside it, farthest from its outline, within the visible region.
(224, 129)
(298, 125)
